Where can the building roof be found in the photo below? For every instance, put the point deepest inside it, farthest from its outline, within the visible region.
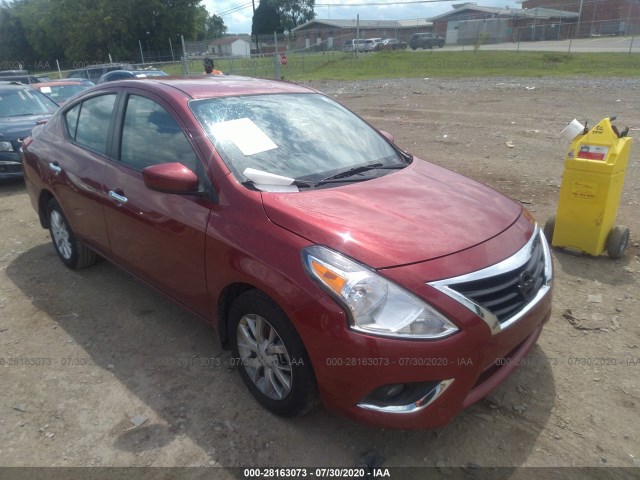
(230, 39)
(506, 12)
(352, 23)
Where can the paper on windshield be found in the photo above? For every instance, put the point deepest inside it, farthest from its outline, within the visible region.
(244, 134)
(45, 89)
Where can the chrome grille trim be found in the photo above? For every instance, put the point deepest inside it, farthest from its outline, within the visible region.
(516, 261)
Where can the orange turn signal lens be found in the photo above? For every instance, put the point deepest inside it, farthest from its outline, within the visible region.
(330, 278)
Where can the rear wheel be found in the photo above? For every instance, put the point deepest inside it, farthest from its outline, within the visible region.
(270, 356)
(618, 242)
(73, 253)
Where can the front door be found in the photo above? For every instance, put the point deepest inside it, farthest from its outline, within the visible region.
(158, 236)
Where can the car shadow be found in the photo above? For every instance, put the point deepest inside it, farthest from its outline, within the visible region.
(602, 269)
(11, 187)
(174, 364)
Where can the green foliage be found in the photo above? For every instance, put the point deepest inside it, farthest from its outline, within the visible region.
(215, 27)
(294, 12)
(480, 40)
(87, 31)
(266, 20)
(280, 15)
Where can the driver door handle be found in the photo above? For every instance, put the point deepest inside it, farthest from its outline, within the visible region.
(117, 198)
(55, 168)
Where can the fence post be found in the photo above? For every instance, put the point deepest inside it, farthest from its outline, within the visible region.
(631, 45)
(276, 58)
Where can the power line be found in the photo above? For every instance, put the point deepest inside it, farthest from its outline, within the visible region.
(234, 9)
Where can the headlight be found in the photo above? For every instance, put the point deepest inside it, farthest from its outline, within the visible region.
(6, 147)
(376, 305)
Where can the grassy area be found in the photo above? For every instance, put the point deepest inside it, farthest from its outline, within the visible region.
(347, 66)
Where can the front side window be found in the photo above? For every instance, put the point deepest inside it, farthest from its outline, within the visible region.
(307, 137)
(88, 122)
(151, 136)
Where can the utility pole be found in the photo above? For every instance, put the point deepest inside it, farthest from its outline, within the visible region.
(255, 35)
(579, 18)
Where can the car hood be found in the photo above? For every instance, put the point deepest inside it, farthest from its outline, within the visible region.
(19, 127)
(416, 214)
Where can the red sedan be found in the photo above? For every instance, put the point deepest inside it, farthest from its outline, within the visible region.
(332, 263)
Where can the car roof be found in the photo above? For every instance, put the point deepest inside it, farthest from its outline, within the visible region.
(212, 86)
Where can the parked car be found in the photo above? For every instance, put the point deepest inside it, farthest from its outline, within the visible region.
(21, 108)
(391, 44)
(60, 92)
(331, 262)
(24, 79)
(425, 40)
(353, 45)
(94, 72)
(371, 43)
(84, 81)
(125, 74)
(13, 73)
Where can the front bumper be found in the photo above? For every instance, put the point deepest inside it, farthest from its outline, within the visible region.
(450, 373)
(10, 165)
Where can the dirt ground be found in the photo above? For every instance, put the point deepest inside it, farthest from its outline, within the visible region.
(86, 354)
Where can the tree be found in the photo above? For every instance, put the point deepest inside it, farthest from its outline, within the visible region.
(294, 12)
(266, 20)
(15, 49)
(215, 27)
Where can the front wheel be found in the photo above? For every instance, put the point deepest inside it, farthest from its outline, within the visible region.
(73, 253)
(272, 360)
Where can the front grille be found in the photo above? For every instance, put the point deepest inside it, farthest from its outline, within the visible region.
(503, 293)
(506, 294)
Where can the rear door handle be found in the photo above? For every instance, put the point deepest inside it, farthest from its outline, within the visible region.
(55, 168)
(117, 198)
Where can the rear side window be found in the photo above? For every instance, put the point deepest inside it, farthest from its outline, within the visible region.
(88, 122)
(151, 136)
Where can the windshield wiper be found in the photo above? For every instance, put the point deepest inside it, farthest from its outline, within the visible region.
(358, 170)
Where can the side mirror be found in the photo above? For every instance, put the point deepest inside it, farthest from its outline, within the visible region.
(170, 178)
(388, 136)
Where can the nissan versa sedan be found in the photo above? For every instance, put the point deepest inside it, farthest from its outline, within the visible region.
(333, 264)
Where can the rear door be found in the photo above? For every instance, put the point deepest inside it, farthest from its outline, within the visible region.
(158, 236)
(76, 166)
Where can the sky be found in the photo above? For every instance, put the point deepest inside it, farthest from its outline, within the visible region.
(240, 21)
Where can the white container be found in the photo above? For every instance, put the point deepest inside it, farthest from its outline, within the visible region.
(572, 130)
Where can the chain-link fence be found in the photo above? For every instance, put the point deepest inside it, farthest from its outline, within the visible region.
(296, 56)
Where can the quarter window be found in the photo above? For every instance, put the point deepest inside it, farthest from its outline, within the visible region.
(151, 136)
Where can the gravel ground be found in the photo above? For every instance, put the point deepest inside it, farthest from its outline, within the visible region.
(567, 406)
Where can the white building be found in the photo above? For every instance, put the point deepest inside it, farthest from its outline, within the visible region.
(231, 46)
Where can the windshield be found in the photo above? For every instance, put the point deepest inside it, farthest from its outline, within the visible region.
(302, 136)
(24, 101)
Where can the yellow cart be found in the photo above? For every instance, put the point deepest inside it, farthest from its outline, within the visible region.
(594, 171)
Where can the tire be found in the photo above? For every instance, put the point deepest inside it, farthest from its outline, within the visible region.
(270, 356)
(549, 228)
(618, 242)
(71, 251)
